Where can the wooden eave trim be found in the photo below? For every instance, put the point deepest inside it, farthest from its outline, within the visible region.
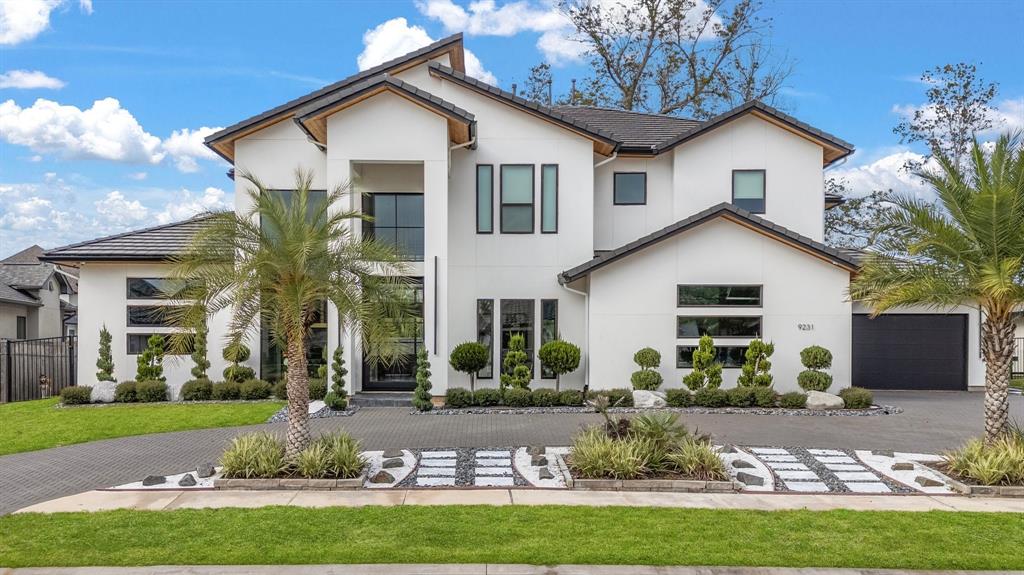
(785, 240)
(831, 151)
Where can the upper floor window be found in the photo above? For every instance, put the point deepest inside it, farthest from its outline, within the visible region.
(718, 326)
(719, 295)
(397, 221)
(630, 188)
(517, 199)
(21, 328)
(748, 190)
(549, 199)
(153, 288)
(484, 199)
(152, 315)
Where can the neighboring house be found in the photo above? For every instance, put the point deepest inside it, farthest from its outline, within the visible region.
(613, 230)
(36, 297)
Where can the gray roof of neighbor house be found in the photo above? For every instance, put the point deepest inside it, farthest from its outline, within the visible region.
(25, 276)
(728, 211)
(11, 295)
(29, 255)
(150, 244)
(634, 130)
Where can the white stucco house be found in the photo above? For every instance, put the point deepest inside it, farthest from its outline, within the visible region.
(613, 230)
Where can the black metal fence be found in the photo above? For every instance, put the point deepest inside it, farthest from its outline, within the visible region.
(37, 368)
(1018, 358)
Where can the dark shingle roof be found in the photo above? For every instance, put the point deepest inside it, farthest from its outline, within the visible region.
(634, 130)
(150, 244)
(761, 224)
(11, 295)
(25, 276)
(28, 255)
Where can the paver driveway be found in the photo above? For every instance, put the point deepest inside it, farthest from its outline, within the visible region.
(931, 422)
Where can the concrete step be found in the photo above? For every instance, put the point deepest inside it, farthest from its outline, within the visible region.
(382, 399)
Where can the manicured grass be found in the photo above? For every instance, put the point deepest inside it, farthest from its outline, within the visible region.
(517, 534)
(32, 425)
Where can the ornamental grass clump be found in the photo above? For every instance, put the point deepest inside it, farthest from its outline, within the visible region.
(257, 455)
(261, 456)
(1000, 462)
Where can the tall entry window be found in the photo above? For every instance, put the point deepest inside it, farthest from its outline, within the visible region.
(517, 199)
(397, 221)
(485, 334)
(548, 329)
(400, 375)
(517, 318)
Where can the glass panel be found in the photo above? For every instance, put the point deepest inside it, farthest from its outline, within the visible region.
(410, 210)
(630, 188)
(22, 327)
(403, 228)
(516, 219)
(747, 185)
(728, 356)
(548, 329)
(137, 343)
(152, 288)
(549, 199)
(517, 184)
(383, 209)
(484, 199)
(485, 334)
(700, 295)
(517, 317)
(723, 326)
(149, 315)
(410, 242)
(401, 374)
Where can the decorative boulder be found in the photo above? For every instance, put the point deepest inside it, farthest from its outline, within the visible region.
(382, 477)
(103, 392)
(187, 480)
(648, 399)
(822, 400)
(205, 470)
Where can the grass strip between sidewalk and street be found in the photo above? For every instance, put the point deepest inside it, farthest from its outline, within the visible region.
(543, 535)
(33, 425)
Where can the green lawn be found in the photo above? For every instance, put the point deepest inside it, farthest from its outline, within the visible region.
(31, 425)
(517, 534)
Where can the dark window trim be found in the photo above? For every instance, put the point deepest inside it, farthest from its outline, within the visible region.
(542, 166)
(129, 335)
(531, 342)
(128, 316)
(679, 364)
(491, 215)
(533, 198)
(21, 327)
(541, 333)
(764, 191)
(615, 202)
(712, 305)
(491, 348)
(759, 334)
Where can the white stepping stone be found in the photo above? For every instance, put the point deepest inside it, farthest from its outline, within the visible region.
(780, 458)
(787, 465)
(437, 463)
(493, 462)
(825, 452)
(494, 471)
(868, 487)
(435, 481)
(807, 486)
(493, 482)
(434, 454)
(437, 471)
(790, 475)
(856, 476)
(486, 454)
(844, 467)
(920, 457)
(769, 451)
(835, 459)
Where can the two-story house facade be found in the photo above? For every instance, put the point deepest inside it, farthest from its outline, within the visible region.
(612, 230)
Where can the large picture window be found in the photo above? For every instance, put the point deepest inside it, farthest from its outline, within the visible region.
(485, 334)
(517, 318)
(151, 315)
(397, 221)
(153, 288)
(137, 343)
(719, 295)
(484, 199)
(549, 199)
(718, 326)
(548, 329)
(630, 188)
(748, 190)
(517, 199)
(730, 356)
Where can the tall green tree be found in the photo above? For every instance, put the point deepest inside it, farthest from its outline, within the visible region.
(105, 363)
(199, 352)
(277, 262)
(966, 248)
(150, 363)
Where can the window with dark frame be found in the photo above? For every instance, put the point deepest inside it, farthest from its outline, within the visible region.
(548, 329)
(718, 326)
(397, 221)
(150, 315)
(718, 296)
(153, 288)
(137, 343)
(517, 317)
(484, 199)
(748, 190)
(21, 329)
(517, 198)
(549, 199)
(629, 188)
(730, 356)
(485, 334)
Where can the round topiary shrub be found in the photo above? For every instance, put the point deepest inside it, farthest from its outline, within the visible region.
(458, 397)
(812, 380)
(487, 397)
(559, 357)
(646, 379)
(570, 397)
(545, 397)
(281, 390)
(125, 392)
(197, 390)
(317, 389)
(469, 358)
(816, 357)
(647, 358)
(518, 397)
(76, 395)
(254, 389)
(226, 391)
(151, 391)
(856, 398)
(679, 398)
(711, 397)
(793, 400)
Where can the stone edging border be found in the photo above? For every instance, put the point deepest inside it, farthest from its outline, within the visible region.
(985, 490)
(290, 483)
(868, 412)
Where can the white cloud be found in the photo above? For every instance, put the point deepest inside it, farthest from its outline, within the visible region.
(29, 79)
(185, 146)
(187, 204)
(23, 20)
(85, 6)
(116, 210)
(885, 173)
(106, 131)
(1006, 115)
(138, 176)
(396, 37)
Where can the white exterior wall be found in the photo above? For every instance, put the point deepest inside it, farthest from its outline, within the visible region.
(615, 226)
(633, 304)
(9, 313)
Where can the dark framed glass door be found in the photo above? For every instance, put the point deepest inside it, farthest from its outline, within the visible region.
(401, 374)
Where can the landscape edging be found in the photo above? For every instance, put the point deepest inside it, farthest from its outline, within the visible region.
(296, 483)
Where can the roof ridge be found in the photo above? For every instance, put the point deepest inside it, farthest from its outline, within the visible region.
(607, 109)
(198, 217)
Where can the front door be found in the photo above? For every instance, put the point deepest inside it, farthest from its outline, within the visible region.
(401, 374)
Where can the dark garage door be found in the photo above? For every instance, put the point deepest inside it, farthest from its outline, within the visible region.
(910, 351)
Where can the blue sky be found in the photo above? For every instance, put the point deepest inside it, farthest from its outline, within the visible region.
(166, 73)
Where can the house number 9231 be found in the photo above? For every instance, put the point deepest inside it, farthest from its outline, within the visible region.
(805, 326)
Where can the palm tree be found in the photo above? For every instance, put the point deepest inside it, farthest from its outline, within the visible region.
(278, 263)
(966, 248)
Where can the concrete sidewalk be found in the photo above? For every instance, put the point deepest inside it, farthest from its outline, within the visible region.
(208, 499)
(468, 569)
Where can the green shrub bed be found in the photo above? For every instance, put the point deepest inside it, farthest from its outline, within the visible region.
(261, 455)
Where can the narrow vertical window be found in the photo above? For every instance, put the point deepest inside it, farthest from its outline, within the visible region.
(485, 334)
(748, 190)
(484, 199)
(517, 199)
(549, 199)
(548, 329)
(517, 318)
(21, 327)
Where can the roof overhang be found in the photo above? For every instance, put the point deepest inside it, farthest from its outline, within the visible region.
(312, 118)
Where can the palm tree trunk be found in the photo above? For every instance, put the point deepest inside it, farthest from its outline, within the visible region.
(298, 398)
(997, 347)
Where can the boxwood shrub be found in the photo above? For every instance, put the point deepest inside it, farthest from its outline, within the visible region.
(518, 397)
(571, 397)
(317, 388)
(544, 397)
(76, 395)
(793, 400)
(679, 397)
(457, 397)
(487, 397)
(226, 391)
(741, 396)
(197, 390)
(125, 392)
(151, 391)
(856, 398)
(254, 389)
(281, 390)
(764, 396)
(707, 397)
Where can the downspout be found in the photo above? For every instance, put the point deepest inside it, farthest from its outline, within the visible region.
(606, 160)
(586, 334)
